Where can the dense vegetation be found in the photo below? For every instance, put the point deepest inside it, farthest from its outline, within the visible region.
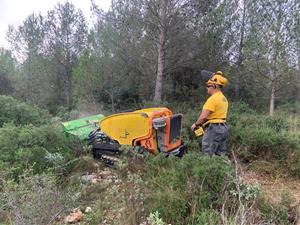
(39, 167)
(143, 54)
(30, 139)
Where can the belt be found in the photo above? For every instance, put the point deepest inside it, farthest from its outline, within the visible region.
(208, 124)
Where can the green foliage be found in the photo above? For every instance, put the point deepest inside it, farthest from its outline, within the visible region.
(190, 116)
(293, 164)
(87, 79)
(154, 219)
(94, 217)
(244, 191)
(277, 213)
(289, 109)
(35, 199)
(237, 108)
(65, 114)
(180, 186)
(39, 147)
(20, 113)
(256, 135)
(207, 217)
(196, 189)
(85, 164)
(7, 64)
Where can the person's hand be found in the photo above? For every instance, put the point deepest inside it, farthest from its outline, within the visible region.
(193, 127)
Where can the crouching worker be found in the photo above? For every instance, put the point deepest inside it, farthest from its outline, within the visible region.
(213, 117)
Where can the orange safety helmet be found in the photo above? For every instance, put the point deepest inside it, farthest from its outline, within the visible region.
(218, 79)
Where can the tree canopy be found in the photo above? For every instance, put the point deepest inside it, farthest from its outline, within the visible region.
(154, 51)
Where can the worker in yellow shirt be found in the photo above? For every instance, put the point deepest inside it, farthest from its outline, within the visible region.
(213, 117)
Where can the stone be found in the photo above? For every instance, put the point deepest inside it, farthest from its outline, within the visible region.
(88, 209)
(88, 178)
(74, 217)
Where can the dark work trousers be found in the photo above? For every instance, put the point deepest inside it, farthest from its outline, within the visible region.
(214, 141)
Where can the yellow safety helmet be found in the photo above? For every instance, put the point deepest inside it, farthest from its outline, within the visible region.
(218, 79)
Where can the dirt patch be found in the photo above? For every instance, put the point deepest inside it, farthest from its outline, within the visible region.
(273, 186)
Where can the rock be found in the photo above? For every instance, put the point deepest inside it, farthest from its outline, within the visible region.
(88, 178)
(88, 210)
(74, 217)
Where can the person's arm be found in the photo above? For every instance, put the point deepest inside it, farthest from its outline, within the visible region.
(201, 119)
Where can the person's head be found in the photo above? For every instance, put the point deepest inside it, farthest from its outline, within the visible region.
(216, 82)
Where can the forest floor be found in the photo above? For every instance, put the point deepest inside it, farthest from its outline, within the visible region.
(273, 185)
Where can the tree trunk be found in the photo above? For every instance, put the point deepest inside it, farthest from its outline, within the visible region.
(68, 78)
(67, 90)
(112, 98)
(68, 87)
(161, 51)
(298, 76)
(298, 87)
(237, 87)
(272, 99)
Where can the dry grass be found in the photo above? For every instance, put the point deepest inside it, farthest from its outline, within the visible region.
(273, 186)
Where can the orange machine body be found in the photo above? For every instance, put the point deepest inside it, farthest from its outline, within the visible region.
(156, 129)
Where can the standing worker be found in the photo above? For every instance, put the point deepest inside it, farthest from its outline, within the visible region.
(213, 117)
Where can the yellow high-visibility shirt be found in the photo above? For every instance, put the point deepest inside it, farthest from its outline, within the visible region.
(218, 105)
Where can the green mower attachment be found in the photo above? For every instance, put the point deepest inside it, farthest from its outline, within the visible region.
(83, 126)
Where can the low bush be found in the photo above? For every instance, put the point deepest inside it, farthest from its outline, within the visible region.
(180, 189)
(293, 162)
(257, 136)
(85, 164)
(34, 199)
(20, 113)
(207, 216)
(197, 189)
(279, 213)
(40, 147)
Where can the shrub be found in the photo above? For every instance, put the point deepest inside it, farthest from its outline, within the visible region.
(255, 136)
(20, 113)
(183, 188)
(293, 163)
(197, 189)
(35, 199)
(276, 213)
(154, 219)
(85, 164)
(207, 216)
(191, 142)
(289, 109)
(21, 146)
